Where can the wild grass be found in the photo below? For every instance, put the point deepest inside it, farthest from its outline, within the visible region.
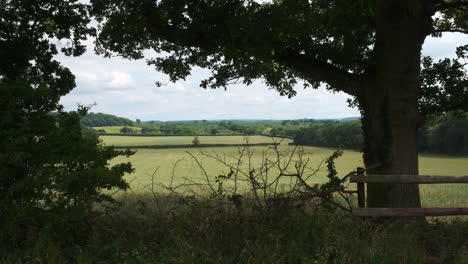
(150, 224)
(178, 162)
(168, 229)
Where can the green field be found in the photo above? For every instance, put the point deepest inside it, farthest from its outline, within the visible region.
(146, 161)
(187, 140)
(116, 129)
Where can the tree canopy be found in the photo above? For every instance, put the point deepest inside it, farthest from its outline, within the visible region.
(100, 119)
(369, 49)
(282, 43)
(48, 164)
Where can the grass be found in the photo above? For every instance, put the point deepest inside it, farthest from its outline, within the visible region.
(149, 227)
(116, 129)
(185, 140)
(147, 160)
(167, 229)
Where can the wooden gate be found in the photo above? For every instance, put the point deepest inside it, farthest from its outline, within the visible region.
(360, 179)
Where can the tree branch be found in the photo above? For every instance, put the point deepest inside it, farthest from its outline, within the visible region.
(316, 70)
(311, 69)
(456, 4)
(450, 30)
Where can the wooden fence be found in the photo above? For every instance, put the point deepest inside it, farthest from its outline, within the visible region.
(360, 179)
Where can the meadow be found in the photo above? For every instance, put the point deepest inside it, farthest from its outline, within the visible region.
(187, 140)
(156, 167)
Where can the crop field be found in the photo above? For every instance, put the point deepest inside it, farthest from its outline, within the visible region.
(187, 140)
(158, 166)
(116, 129)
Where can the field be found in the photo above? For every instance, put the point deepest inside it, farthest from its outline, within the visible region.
(186, 140)
(165, 162)
(116, 129)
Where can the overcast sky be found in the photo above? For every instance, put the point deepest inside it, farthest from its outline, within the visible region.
(126, 88)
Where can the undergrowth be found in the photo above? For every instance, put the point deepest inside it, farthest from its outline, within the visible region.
(300, 223)
(171, 229)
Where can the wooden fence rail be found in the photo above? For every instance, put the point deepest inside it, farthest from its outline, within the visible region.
(419, 179)
(362, 211)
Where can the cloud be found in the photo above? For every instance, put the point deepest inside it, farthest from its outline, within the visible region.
(127, 88)
(119, 79)
(89, 82)
(445, 46)
(170, 88)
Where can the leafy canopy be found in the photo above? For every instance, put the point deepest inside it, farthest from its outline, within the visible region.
(46, 161)
(281, 42)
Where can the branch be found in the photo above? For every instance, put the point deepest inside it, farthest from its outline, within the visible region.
(316, 70)
(312, 69)
(456, 4)
(450, 30)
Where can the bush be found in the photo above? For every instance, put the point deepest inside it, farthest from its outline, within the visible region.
(50, 169)
(196, 141)
(127, 130)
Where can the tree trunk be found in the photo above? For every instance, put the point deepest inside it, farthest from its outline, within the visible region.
(389, 103)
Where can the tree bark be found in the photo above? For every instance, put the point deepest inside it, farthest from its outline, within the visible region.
(390, 101)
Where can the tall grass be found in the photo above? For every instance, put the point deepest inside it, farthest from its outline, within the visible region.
(169, 229)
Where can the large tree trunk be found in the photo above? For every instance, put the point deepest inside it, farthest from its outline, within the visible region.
(389, 103)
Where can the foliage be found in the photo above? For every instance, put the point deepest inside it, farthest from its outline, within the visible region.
(51, 171)
(345, 134)
(275, 41)
(349, 47)
(100, 119)
(196, 141)
(209, 232)
(127, 130)
(443, 133)
(49, 166)
(207, 127)
(447, 135)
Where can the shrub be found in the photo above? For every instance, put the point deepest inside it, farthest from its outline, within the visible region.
(196, 141)
(50, 169)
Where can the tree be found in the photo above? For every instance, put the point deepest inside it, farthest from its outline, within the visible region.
(196, 141)
(48, 164)
(368, 49)
(214, 131)
(127, 130)
(100, 119)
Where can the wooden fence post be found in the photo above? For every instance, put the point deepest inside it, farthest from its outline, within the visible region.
(361, 189)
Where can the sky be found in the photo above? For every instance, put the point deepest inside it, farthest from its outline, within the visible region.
(127, 88)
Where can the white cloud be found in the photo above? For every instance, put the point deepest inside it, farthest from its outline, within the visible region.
(127, 88)
(92, 82)
(445, 46)
(119, 79)
(170, 88)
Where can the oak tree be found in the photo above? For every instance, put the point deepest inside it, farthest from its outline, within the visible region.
(369, 49)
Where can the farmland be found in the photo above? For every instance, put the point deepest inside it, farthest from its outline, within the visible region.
(186, 140)
(166, 162)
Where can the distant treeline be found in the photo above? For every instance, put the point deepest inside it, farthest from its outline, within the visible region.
(100, 119)
(446, 134)
(200, 128)
(343, 134)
